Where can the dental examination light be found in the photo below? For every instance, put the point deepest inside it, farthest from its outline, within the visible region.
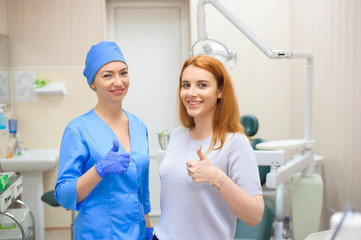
(281, 171)
(216, 49)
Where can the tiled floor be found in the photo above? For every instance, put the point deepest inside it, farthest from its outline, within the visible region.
(64, 234)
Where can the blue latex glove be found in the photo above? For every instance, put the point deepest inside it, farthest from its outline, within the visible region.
(113, 162)
(149, 233)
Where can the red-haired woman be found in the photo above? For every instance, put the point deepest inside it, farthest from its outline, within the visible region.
(209, 175)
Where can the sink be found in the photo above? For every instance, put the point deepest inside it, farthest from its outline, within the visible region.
(31, 160)
(31, 165)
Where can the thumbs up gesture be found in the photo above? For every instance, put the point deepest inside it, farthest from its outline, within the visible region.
(113, 162)
(201, 171)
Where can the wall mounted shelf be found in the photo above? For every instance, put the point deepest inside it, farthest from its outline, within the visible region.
(52, 88)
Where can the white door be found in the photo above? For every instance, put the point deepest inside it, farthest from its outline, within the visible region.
(153, 37)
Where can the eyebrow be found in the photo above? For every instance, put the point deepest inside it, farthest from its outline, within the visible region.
(198, 81)
(111, 71)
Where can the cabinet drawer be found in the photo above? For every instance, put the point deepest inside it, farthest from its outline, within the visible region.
(6, 199)
(18, 187)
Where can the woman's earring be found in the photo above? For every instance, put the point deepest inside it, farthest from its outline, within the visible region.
(218, 100)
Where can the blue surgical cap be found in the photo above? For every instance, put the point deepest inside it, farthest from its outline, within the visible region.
(99, 55)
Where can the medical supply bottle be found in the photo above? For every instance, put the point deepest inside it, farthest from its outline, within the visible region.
(13, 128)
(2, 117)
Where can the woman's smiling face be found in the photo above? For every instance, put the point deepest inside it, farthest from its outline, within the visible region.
(199, 92)
(111, 82)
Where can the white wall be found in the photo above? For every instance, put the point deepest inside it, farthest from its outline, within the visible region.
(3, 17)
(332, 31)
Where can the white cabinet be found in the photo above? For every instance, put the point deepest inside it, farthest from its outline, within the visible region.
(11, 191)
(15, 222)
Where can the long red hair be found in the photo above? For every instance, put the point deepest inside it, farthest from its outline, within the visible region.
(226, 117)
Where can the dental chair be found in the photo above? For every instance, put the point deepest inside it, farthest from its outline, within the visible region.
(50, 199)
(263, 230)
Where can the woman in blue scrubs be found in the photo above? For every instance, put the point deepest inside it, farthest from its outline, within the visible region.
(104, 161)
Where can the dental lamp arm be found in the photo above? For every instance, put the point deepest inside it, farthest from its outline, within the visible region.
(273, 54)
(202, 34)
(201, 20)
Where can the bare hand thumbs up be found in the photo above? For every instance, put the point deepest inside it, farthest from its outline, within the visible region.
(200, 154)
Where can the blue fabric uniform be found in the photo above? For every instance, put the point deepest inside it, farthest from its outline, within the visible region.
(116, 207)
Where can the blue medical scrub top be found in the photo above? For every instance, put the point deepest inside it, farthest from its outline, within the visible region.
(116, 207)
